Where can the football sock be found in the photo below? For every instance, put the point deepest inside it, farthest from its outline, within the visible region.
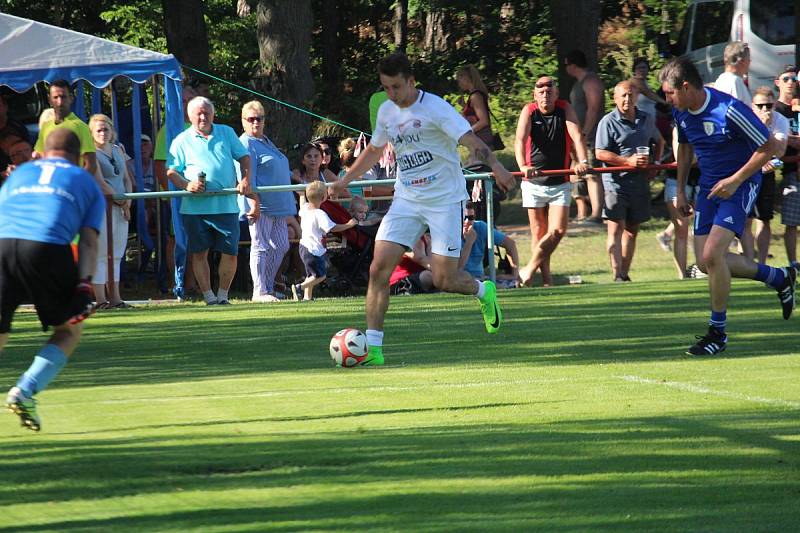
(46, 366)
(222, 294)
(481, 290)
(718, 320)
(770, 275)
(208, 295)
(374, 337)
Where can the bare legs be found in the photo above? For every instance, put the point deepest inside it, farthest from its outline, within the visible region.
(680, 233)
(554, 218)
(445, 273)
(720, 265)
(621, 245)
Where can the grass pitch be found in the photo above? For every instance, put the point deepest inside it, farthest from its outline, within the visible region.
(582, 414)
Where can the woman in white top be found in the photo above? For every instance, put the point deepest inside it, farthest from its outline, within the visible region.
(311, 166)
(112, 167)
(647, 97)
(311, 169)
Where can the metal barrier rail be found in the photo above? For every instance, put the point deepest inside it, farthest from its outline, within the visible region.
(278, 188)
(486, 176)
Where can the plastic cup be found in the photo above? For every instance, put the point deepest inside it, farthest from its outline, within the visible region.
(643, 150)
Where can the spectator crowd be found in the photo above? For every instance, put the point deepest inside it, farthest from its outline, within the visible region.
(288, 235)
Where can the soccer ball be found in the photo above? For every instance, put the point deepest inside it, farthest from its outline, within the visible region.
(348, 347)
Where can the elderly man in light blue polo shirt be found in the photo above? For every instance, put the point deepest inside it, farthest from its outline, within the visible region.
(202, 159)
(627, 194)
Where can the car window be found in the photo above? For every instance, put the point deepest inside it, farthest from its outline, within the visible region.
(712, 24)
(773, 21)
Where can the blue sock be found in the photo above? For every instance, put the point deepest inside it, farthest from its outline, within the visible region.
(46, 366)
(718, 319)
(770, 275)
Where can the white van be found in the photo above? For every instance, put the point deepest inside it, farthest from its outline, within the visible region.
(766, 25)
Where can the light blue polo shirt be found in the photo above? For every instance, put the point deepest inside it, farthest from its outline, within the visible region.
(269, 167)
(191, 153)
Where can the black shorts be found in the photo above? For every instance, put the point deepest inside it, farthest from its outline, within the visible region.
(316, 265)
(764, 208)
(38, 272)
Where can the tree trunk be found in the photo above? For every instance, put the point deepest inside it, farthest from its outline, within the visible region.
(401, 25)
(330, 49)
(187, 37)
(284, 42)
(438, 32)
(575, 23)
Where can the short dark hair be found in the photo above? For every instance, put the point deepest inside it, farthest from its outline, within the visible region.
(577, 58)
(63, 140)
(395, 64)
(64, 84)
(679, 70)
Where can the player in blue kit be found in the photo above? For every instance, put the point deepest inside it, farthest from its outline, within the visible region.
(43, 205)
(731, 145)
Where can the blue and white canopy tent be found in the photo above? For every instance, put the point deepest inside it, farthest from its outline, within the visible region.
(31, 52)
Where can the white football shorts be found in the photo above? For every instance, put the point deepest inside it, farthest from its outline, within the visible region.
(406, 222)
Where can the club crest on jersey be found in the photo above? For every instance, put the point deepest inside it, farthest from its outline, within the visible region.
(708, 127)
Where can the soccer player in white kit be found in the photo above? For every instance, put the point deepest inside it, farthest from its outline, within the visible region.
(429, 193)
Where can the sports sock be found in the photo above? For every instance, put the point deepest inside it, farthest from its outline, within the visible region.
(208, 295)
(718, 320)
(481, 290)
(46, 366)
(770, 275)
(222, 294)
(374, 337)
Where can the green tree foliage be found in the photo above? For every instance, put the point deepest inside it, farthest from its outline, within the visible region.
(511, 42)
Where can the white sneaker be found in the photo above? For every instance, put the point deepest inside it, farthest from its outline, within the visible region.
(265, 298)
(24, 407)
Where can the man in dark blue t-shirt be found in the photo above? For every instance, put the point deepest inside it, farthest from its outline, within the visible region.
(731, 145)
(43, 205)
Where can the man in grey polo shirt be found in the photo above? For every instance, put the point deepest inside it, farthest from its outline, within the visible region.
(627, 194)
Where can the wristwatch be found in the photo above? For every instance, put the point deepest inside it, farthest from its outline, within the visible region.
(584, 161)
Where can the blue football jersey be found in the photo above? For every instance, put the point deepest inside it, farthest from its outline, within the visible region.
(49, 200)
(724, 134)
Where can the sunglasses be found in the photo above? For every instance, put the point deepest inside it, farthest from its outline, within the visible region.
(469, 217)
(544, 84)
(764, 106)
(787, 79)
(253, 120)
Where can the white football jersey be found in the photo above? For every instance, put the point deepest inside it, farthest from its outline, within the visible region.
(425, 138)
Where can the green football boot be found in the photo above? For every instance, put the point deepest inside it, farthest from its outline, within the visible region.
(492, 315)
(374, 356)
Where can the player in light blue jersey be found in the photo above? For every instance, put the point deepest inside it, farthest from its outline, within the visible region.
(731, 145)
(43, 205)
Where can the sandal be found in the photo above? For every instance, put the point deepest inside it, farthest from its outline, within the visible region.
(121, 305)
(103, 305)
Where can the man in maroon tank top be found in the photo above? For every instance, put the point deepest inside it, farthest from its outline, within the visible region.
(547, 130)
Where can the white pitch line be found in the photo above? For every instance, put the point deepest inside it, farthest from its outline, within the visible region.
(705, 390)
(340, 390)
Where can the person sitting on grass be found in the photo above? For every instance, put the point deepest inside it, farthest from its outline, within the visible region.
(476, 251)
(315, 224)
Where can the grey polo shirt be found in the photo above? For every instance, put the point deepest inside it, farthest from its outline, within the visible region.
(619, 135)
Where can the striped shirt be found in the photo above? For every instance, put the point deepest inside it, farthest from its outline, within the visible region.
(724, 133)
